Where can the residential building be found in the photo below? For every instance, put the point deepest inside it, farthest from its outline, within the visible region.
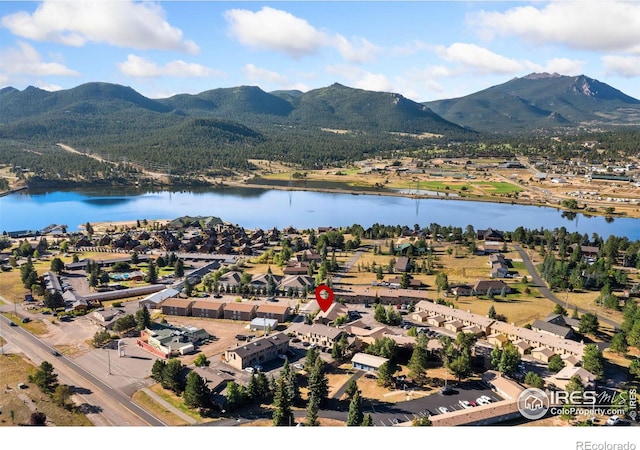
(257, 351)
(210, 309)
(319, 334)
(240, 311)
(281, 313)
(176, 307)
(368, 363)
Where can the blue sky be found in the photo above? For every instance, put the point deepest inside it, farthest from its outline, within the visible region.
(424, 50)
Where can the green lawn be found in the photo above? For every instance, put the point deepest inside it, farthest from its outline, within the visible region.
(498, 187)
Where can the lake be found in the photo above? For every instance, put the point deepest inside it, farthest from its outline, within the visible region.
(264, 208)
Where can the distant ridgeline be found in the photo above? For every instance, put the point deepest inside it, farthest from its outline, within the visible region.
(119, 134)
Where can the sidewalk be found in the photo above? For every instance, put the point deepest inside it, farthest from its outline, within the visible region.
(187, 418)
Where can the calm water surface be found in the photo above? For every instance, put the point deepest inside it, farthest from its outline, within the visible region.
(253, 207)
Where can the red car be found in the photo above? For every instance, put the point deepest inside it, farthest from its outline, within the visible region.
(472, 403)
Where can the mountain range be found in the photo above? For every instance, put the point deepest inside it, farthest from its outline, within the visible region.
(536, 101)
(227, 127)
(541, 101)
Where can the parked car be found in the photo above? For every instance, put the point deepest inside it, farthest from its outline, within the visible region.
(258, 368)
(281, 356)
(13, 324)
(298, 366)
(443, 409)
(486, 398)
(447, 391)
(249, 369)
(473, 403)
(465, 404)
(482, 401)
(613, 420)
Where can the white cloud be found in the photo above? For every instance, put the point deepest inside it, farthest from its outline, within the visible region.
(260, 74)
(625, 66)
(563, 66)
(362, 79)
(121, 23)
(277, 30)
(581, 24)
(360, 51)
(478, 59)
(48, 86)
(135, 66)
(273, 29)
(24, 59)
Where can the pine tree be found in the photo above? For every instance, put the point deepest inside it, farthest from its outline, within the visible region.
(282, 414)
(355, 417)
(196, 393)
(318, 382)
(312, 412)
(367, 421)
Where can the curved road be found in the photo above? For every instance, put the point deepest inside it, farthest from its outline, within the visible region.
(544, 290)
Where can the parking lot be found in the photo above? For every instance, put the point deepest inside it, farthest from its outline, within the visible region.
(391, 414)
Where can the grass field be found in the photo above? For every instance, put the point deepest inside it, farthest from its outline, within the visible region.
(14, 369)
(141, 398)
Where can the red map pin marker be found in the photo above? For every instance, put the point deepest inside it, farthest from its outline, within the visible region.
(324, 296)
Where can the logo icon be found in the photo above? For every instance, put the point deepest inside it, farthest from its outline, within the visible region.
(533, 403)
(324, 296)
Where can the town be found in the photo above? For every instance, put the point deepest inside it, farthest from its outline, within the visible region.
(200, 321)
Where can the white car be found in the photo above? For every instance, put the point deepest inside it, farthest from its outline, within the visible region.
(443, 410)
(258, 368)
(298, 366)
(486, 398)
(481, 401)
(249, 369)
(465, 404)
(613, 420)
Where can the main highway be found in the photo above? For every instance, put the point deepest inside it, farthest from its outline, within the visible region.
(109, 406)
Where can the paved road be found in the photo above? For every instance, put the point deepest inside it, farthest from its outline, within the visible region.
(544, 290)
(110, 406)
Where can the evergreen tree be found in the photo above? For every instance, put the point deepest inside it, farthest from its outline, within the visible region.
(143, 318)
(196, 393)
(152, 273)
(492, 313)
(44, 377)
(178, 269)
(588, 324)
(385, 375)
(282, 413)
(157, 370)
(235, 396)
(171, 376)
(619, 344)
(555, 363)
(367, 420)
(355, 416)
(352, 388)
(318, 382)
(418, 363)
(312, 412)
(593, 361)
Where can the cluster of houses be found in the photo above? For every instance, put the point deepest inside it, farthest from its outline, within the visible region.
(540, 341)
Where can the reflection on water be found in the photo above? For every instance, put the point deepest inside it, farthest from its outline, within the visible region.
(255, 207)
(105, 201)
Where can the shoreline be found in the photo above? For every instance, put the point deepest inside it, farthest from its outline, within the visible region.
(635, 214)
